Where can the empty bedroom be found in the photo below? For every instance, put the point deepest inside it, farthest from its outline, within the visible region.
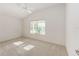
(38, 29)
(32, 29)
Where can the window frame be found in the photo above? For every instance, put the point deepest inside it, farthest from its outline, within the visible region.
(39, 21)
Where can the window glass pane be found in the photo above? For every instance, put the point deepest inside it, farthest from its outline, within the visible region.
(38, 27)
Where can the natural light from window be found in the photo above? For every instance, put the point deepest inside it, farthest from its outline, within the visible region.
(29, 47)
(18, 43)
(38, 27)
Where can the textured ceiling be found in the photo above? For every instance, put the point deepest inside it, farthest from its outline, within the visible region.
(21, 10)
(35, 6)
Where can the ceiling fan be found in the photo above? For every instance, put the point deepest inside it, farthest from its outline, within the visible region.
(24, 6)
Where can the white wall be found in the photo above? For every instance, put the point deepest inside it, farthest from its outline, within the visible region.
(55, 24)
(72, 28)
(10, 27)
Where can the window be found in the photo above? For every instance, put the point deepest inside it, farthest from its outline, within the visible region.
(38, 27)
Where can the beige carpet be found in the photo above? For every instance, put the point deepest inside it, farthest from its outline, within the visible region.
(30, 47)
